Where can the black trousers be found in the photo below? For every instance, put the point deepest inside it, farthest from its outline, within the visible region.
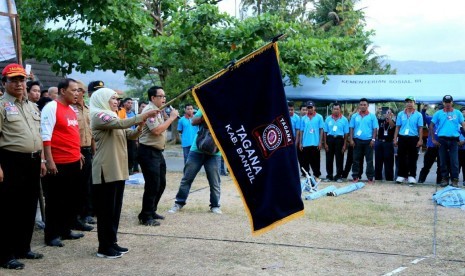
(462, 163)
(334, 151)
(408, 155)
(362, 149)
(300, 157)
(85, 185)
(431, 155)
(311, 159)
(19, 193)
(384, 159)
(350, 161)
(153, 167)
(108, 210)
(132, 154)
(61, 202)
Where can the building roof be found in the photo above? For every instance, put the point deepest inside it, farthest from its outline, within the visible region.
(42, 72)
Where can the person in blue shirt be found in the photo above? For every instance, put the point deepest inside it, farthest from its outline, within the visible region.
(195, 161)
(462, 149)
(431, 154)
(363, 129)
(336, 129)
(448, 122)
(408, 138)
(295, 119)
(310, 139)
(303, 112)
(187, 130)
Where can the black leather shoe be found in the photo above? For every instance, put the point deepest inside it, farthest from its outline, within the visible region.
(72, 236)
(30, 255)
(90, 220)
(13, 264)
(55, 242)
(157, 216)
(82, 226)
(149, 222)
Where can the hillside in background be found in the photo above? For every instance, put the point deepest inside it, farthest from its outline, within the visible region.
(428, 67)
(111, 80)
(116, 80)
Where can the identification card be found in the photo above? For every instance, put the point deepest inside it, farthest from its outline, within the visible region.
(334, 128)
(385, 132)
(449, 117)
(311, 130)
(359, 132)
(406, 131)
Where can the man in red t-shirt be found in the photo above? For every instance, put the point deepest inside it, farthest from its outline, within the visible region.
(60, 135)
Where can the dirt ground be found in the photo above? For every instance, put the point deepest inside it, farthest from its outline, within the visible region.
(382, 229)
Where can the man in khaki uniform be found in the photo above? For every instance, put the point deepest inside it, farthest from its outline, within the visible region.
(21, 165)
(87, 150)
(150, 156)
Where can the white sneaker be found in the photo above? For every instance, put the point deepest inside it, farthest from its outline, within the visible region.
(412, 180)
(216, 210)
(176, 207)
(400, 179)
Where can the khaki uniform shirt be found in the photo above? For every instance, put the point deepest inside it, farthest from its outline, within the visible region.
(147, 137)
(85, 132)
(19, 125)
(111, 157)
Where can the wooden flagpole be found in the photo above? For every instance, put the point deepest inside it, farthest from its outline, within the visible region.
(16, 31)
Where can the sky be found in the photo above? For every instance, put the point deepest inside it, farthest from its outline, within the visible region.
(423, 30)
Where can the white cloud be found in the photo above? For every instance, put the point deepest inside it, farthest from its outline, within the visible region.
(427, 30)
(417, 29)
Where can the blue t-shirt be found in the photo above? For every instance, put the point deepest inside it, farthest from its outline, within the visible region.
(131, 114)
(363, 125)
(310, 129)
(295, 121)
(429, 141)
(337, 127)
(409, 124)
(188, 131)
(462, 138)
(198, 114)
(448, 123)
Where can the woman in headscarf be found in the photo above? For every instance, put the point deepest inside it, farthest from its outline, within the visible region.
(110, 165)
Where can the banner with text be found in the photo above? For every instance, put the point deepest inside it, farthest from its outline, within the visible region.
(246, 109)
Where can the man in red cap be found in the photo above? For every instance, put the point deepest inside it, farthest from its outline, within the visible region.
(21, 165)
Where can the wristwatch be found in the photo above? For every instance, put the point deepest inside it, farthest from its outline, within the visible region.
(373, 140)
(43, 161)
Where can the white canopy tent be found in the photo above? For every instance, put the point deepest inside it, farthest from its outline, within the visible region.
(427, 88)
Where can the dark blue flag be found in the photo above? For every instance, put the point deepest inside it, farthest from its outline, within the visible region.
(245, 107)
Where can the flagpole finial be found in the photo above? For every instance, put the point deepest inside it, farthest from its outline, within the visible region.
(230, 64)
(278, 37)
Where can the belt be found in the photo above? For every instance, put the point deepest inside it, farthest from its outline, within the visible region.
(336, 136)
(29, 155)
(384, 140)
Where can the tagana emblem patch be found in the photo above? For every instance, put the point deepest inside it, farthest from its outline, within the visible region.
(272, 137)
